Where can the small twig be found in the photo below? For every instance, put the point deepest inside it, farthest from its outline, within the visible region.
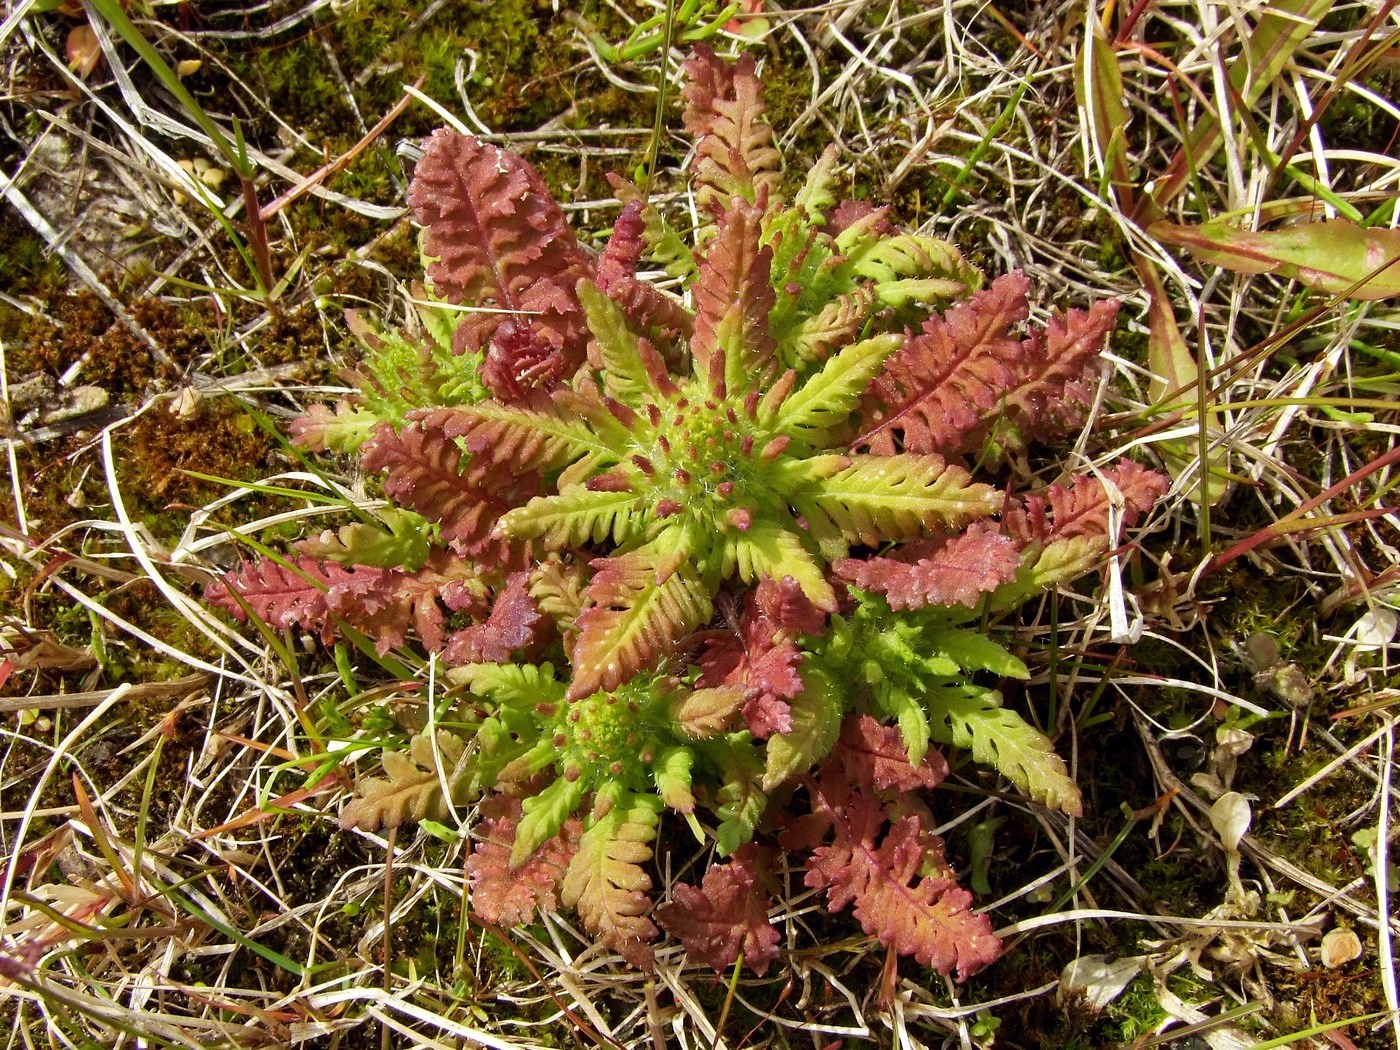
(324, 172)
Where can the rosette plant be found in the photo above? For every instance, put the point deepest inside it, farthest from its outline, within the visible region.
(709, 549)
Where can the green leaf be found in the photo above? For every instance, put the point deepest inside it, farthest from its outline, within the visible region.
(508, 748)
(976, 652)
(816, 723)
(741, 797)
(912, 267)
(1337, 256)
(1059, 562)
(878, 499)
(575, 517)
(672, 771)
(339, 428)
(912, 718)
(972, 718)
(816, 194)
(828, 398)
(921, 291)
(510, 685)
(624, 375)
(440, 831)
(1099, 86)
(513, 762)
(404, 546)
(767, 548)
(544, 815)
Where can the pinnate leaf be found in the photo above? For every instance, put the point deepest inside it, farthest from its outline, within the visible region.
(1067, 531)
(515, 623)
(423, 468)
(616, 347)
(403, 542)
(559, 589)
(283, 596)
(881, 857)
(814, 717)
(411, 789)
(512, 685)
(724, 112)
(543, 815)
(576, 517)
(498, 240)
(761, 662)
(733, 298)
(945, 570)
(643, 602)
(826, 400)
(938, 387)
(877, 499)
(605, 882)
(767, 550)
(973, 718)
(341, 427)
(786, 605)
(1058, 370)
(869, 754)
(648, 308)
(910, 269)
(926, 916)
(708, 711)
(725, 916)
(507, 896)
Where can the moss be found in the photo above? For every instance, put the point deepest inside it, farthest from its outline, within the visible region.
(27, 268)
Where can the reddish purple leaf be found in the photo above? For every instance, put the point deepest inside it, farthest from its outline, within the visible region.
(499, 241)
(966, 375)
(935, 391)
(786, 604)
(727, 914)
(944, 570)
(384, 604)
(425, 472)
(872, 846)
(871, 755)
(515, 623)
(724, 113)
(762, 659)
(926, 916)
(733, 298)
(506, 897)
(1058, 371)
(1083, 507)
